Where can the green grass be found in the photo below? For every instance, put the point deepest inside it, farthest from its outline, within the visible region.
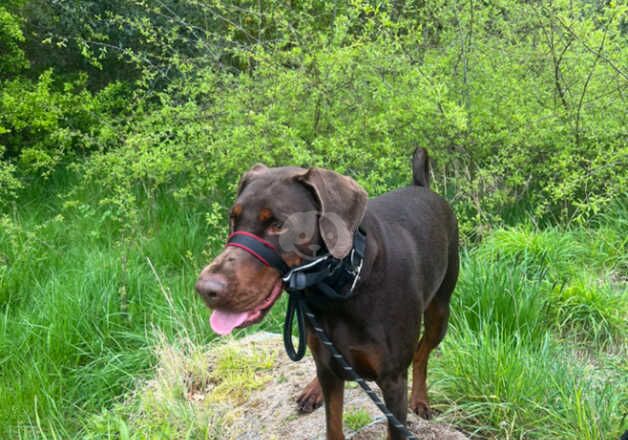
(499, 386)
(356, 418)
(534, 350)
(536, 335)
(80, 308)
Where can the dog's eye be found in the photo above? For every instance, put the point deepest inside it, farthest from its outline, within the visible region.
(276, 227)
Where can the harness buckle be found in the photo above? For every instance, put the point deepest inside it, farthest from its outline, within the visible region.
(355, 271)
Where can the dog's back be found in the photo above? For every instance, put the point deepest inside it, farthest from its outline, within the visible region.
(418, 225)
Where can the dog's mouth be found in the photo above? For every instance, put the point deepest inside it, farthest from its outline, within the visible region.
(223, 322)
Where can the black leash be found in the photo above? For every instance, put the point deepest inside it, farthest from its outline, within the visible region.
(297, 305)
(294, 309)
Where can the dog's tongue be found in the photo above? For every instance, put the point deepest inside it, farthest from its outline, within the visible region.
(223, 322)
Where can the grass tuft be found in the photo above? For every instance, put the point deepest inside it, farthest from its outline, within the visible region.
(356, 418)
(499, 386)
(590, 312)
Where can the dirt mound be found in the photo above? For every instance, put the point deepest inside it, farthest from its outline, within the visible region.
(269, 411)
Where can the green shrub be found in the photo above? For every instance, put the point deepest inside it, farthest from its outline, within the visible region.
(9, 183)
(42, 126)
(509, 104)
(11, 36)
(367, 91)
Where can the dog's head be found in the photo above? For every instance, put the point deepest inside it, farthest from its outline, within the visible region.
(302, 213)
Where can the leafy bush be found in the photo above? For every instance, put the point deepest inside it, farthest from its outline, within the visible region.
(9, 183)
(519, 104)
(518, 130)
(43, 127)
(13, 58)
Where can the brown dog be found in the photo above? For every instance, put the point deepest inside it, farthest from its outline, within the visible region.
(409, 272)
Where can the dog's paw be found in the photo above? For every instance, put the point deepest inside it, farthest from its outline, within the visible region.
(421, 409)
(311, 397)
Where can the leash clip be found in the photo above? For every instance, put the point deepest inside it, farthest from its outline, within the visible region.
(288, 278)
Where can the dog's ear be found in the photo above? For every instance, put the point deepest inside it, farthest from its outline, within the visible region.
(342, 205)
(255, 170)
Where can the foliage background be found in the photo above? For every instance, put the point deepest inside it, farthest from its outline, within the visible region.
(520, 104)
(124, 126)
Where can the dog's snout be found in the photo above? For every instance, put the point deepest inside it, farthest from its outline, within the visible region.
(212, 286)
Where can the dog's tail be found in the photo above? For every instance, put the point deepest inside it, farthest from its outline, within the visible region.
(421, 167)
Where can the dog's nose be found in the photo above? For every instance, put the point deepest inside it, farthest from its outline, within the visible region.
(211, 287)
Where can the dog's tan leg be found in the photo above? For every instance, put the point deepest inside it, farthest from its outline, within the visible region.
(436, 317)
(333, 391)
(395, 391)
